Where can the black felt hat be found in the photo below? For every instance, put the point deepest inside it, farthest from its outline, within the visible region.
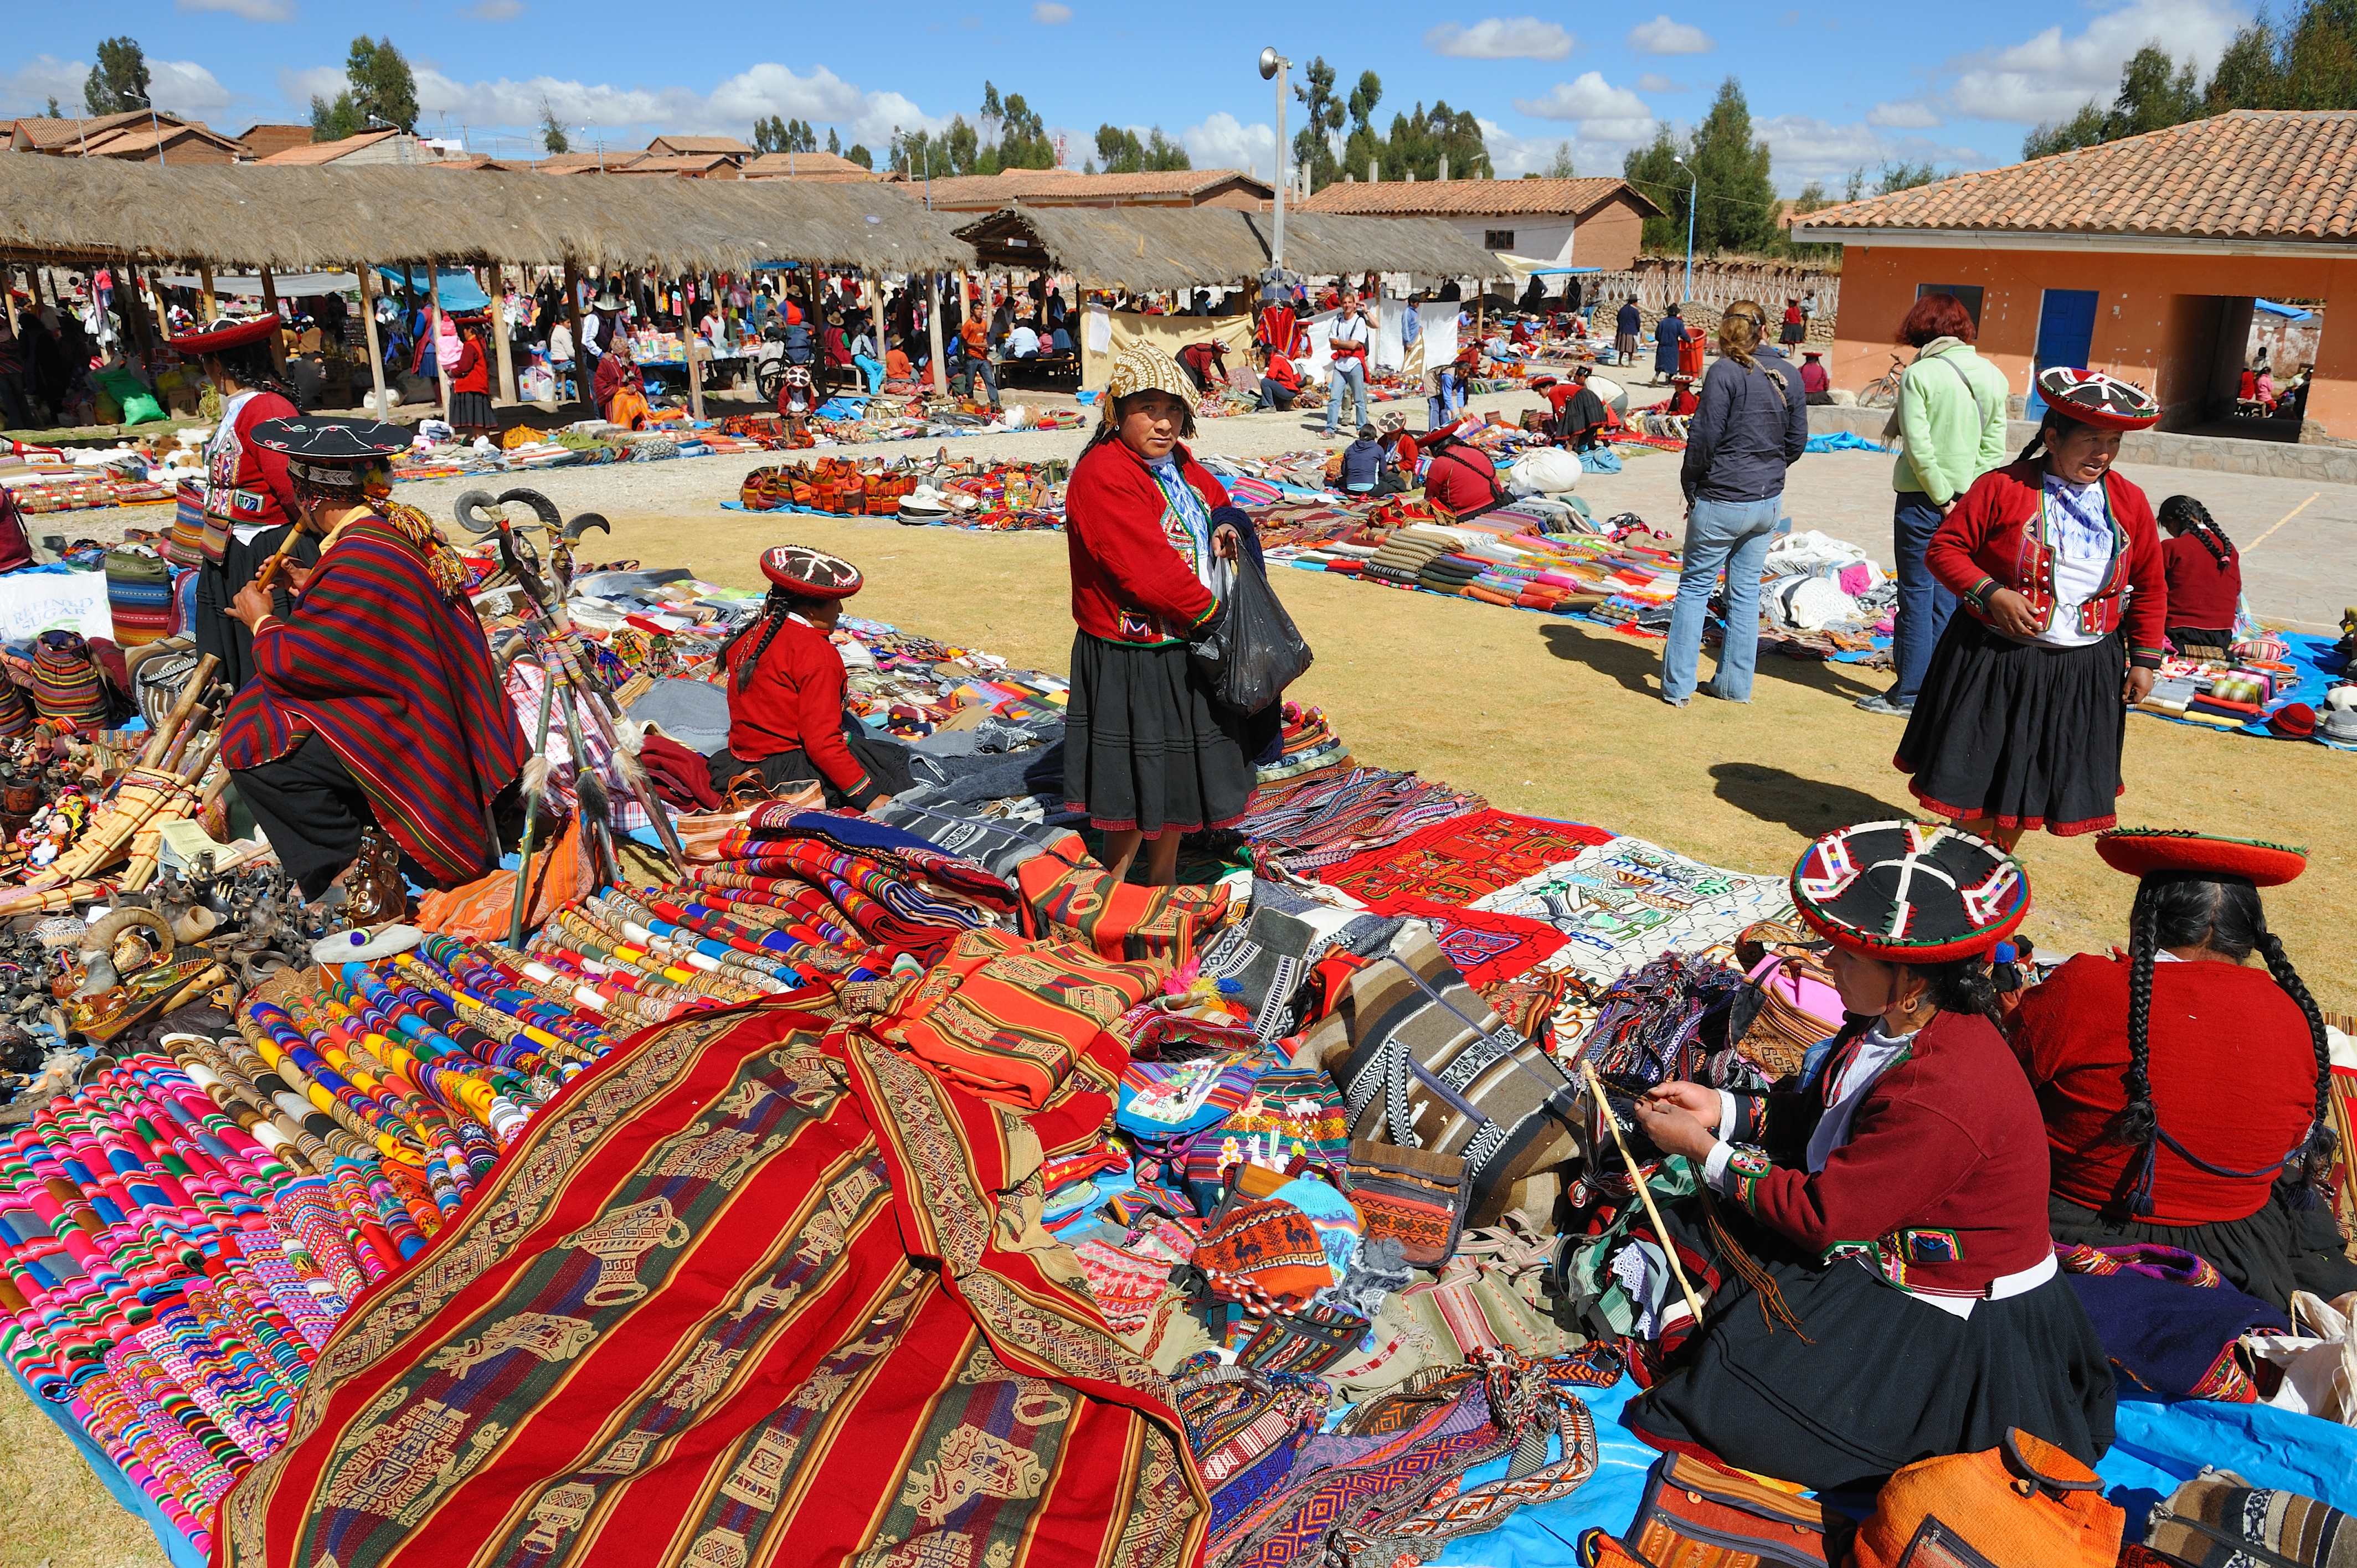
(813, 574)
(1910, 892)
(330, 442)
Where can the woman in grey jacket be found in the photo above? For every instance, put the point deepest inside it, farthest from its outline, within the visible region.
(1950, 423)
(1753, 424)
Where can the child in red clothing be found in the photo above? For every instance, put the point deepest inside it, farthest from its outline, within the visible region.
(2205, 575)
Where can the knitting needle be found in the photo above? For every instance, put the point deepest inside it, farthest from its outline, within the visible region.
(1644, 1193)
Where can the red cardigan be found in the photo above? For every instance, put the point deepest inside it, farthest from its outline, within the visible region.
(793, 702)
(1942, 1181)
(1993, 541)
(1129, 582)
(2201, 593)
(470, 374)
(2234, 1080)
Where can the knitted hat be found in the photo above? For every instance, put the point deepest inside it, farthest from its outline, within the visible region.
(1910, 892)
(812, 574)
(2090, 397)
(1145, 368)
(1266, 1254)
(2142, 852)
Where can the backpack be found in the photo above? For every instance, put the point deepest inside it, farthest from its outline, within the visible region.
(2024, 1504)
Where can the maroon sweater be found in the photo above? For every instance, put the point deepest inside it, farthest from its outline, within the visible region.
(793, 702)
(2201, 593)
(1992, 540)
(1942, 1181)
(2234, 1080)
(1129, 582)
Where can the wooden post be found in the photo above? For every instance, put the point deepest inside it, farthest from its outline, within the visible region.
(434, 325)
(205, 281)
(500, 332)
(688, 339)
(9, 291)
(573, 320)
(270, 308)
(933, 334)
(375, 348)
(876, 303)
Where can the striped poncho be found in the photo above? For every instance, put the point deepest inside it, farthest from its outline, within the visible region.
(397, 681)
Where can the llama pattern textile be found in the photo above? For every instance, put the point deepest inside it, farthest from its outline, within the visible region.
(602, 1362)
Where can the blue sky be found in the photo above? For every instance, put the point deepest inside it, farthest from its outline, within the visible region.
(1831, 85)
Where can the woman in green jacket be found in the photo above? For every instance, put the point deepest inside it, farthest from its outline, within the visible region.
(1951, 424)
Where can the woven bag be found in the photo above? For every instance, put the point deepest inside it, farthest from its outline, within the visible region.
(2024, 1504)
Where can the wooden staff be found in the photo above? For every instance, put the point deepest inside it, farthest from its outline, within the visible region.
(161, 741)
(1644, 1193)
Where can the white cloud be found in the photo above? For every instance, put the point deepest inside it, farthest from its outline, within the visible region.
(1597, 148)
(1905, 114)
(1807, 148)
(1224, 142)
(28, 89)
(1655, 81)
(252, 10)
(1663, 37)
(184, 87)
(1605, 113)
(1495, 38)
(1047, 14)
(2047, 77)
(494, 10)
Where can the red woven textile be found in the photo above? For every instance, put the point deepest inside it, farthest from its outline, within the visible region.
(1457, 861)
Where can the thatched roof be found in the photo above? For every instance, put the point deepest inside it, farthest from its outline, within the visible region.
(1150, 249)
(293, 218)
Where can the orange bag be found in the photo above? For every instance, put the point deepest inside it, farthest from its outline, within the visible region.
(2025, 1504)
(480, 910)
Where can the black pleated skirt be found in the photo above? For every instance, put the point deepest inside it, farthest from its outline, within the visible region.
(1882, 1380)
(472, 411)
(1146, 748)
(2027, 735)
(2268, 1254)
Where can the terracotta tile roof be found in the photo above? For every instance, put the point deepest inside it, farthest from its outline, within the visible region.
(2254, 174)
(684, 147)
(328, 152)
(677, 164)
(804, 165)
(266, 138)
(1472, 198)
(1069, 185)
(580, 163)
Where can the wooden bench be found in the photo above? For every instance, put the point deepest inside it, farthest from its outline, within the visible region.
(1046, 370)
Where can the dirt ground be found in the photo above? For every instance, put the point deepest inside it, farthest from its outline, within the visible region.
(1540, 713)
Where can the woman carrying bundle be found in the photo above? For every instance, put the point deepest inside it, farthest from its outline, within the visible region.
(2185, 1092)
(787, 723)
(1881, 1285)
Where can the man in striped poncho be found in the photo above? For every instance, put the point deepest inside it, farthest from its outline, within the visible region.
(374, 708)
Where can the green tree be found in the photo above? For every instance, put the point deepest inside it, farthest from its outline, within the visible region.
(1725, 175)
(1561, 167)
(1323, 115)
(1023, 140)
(552, 139)
(2155, 93)
(118, 82)
(332, 122)
(833, 142)
(861, 156)
(54, 113)
(384, 89)
(1902, 175)
(1123, 151)
(961, 146)
(1420, 140)
(2249, 74)
(2084, 129)
(2320, 64)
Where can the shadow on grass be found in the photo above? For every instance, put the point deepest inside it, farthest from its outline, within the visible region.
(1808, 806)
(1637, 665)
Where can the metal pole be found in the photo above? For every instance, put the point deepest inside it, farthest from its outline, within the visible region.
(1282, 68)
(1693, 200)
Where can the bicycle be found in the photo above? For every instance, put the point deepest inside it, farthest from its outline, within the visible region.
(1883, 391)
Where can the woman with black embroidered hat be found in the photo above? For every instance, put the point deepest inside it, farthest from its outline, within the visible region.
(787, 723)
(2185, 1092)
(2056, 563)
(1882, 1288)
(1153, 541)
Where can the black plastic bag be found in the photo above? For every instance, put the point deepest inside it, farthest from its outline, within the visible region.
(1255, 652)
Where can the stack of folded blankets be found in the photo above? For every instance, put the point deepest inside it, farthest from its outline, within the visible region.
(1400, 561)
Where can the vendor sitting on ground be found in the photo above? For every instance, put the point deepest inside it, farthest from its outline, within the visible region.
(620, 389)
(1580, 417)
(1459, 476)
(2185, 1090)
(787, 723)
(375, 729)
(2205, 573)
(1881, 1287)
(1813, 378)
(1280, 384)
(1363, 463)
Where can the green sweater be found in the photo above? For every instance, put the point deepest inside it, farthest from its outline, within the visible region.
(1950, 439)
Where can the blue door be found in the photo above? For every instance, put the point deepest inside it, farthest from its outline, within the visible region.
(2066, 330)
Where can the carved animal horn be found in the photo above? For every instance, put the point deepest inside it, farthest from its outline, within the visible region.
(101, 937)
(470, 517)
(542, 506)
(584, 523)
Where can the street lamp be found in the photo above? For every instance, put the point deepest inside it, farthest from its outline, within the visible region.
(1693, 193)
(1274, 65)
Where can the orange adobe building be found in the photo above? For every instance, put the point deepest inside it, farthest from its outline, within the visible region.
(2140, 258)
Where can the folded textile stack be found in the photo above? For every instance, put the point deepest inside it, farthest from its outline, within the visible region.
(1401, 559)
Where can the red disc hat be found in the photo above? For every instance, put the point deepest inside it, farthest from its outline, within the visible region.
(813, 574)
(215, 337)
(2142, 852)
(1908, 892)
(2090, 397)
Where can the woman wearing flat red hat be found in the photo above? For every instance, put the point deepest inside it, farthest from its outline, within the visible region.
(2185, 1092)
(786, 719)
(1882, 1286)
(2058, 564)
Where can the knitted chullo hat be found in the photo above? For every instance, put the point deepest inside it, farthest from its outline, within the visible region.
(1266, 1254)
(1910, 892)
(1145, 368)
(66, 684)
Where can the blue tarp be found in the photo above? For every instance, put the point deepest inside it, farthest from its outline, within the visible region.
(460, 290)
(178, 1547)
(2289, 312)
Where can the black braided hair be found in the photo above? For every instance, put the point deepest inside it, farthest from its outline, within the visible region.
(1962, 985)
(2039, 444)
(774, 611)
(2183, 512)
(2138, 1125)
(2314, 1156)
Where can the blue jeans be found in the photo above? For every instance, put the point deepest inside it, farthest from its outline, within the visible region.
(1924, 605)
(1733, 536)
(1274, 396)
(1445, 405)
(1347, 378)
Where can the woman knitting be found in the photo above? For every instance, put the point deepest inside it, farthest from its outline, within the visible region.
(2185, 1090)
(1882, 1286)
(1152, 540)
(2205, 577)
(787, 724)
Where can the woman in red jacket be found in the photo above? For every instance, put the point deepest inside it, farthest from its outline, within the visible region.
(2205, 577)
(787, 724)
(470, 386)
(2184, 1091)
(2058, 566)
(1152, 541)
(1884, 1213)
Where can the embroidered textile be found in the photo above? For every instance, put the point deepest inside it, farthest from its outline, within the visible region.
(1455, 862)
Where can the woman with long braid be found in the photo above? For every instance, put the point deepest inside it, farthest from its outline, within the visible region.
(2205, 575)
(2184, 1090)
(786, 719)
